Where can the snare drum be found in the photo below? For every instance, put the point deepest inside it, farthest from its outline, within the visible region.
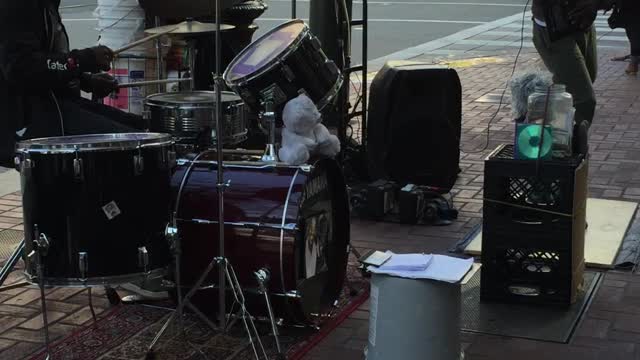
(285, 62)
(190, 117)
(292, 221)
(102, 201)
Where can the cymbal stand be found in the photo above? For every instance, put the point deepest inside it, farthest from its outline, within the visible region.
(269, 116)
(41, 247)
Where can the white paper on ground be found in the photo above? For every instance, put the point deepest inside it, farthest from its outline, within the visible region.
(406, 262)
(441, 268)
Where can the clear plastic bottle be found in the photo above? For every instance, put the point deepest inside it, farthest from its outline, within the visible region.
(560, 115)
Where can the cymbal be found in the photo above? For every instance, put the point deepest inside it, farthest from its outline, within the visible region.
(190, 27)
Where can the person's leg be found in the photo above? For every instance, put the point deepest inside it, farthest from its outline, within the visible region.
(633, 34)
(566, 61)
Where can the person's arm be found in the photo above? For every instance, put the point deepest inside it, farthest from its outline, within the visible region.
(24, 60)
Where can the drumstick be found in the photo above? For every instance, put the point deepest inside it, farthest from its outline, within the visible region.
(142, 41)
(152, 82)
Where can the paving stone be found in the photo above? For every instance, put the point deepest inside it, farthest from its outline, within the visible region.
(594, 328)
(24, 298)
(20, 349)
(81, 316)
(627, 323)
(64, 293)
(8, 322)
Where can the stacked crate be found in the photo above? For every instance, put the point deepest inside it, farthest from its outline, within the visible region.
(533, 229)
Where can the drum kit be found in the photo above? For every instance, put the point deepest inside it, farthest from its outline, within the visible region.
(180, 199)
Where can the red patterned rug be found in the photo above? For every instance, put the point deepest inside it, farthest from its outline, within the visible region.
(126, 332)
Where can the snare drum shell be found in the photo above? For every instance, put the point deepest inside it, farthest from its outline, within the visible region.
(255, 204)
(192, 121)
(109, 211)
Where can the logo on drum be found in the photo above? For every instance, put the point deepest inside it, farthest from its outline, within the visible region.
(111, 210)
(315, 186)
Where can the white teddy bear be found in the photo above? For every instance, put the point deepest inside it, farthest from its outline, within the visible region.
(303, 134)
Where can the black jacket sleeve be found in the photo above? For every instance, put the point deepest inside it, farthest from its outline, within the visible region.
(25, 61)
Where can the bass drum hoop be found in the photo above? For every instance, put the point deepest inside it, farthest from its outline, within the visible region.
(295, 45)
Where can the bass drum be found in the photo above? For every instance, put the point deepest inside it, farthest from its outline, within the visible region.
(292, 221)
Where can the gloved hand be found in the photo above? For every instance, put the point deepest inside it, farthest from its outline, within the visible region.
(104, 56)
(101, 84)
(584, 13)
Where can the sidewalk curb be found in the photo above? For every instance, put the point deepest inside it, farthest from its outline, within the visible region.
(422, 49)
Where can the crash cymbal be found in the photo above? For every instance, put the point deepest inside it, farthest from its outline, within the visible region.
(189, 27)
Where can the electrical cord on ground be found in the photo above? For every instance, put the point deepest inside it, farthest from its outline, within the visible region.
(513, 71)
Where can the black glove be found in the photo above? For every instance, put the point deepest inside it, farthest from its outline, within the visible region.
(101, 85)
(104, 56)
(584, 13)
(93, 60)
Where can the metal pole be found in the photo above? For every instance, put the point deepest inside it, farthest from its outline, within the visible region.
(222, 308)
(364, 84)
(158, 57)
(293, 9)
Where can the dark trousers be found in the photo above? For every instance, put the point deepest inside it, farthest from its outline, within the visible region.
(633, 33)
(80, 117)
(573, 61)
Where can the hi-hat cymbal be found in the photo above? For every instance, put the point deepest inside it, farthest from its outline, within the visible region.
(189, 27)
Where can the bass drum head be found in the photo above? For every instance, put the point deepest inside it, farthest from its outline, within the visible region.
(264, 51)
(323, 241)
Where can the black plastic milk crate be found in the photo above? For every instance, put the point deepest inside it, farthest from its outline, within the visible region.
(533, 228)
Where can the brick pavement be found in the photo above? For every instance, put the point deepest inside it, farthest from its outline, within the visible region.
(611, 327)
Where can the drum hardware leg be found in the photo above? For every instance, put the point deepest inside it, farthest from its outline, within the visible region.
(138, 163)
(93, 313)
(263, 276)
(41, 246)
(10, 264)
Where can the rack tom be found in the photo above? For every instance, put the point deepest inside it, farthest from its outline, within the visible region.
(282, 64)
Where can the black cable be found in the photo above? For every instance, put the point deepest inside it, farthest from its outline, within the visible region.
(513, 71)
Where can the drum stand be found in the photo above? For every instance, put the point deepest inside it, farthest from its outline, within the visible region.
(225, 269)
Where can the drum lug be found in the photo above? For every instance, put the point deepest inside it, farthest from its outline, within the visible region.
(288, 73)
(143, 258)
(172, 159)
(78, 169)
(26, 165)
(333, 68)
(83, 264)
(146, 115)
(315, 43)
(138, 164)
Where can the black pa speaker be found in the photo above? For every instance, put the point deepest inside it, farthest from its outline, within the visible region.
(413, 131)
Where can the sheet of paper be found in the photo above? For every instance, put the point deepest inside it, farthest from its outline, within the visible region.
(406, 262)
(441, 268)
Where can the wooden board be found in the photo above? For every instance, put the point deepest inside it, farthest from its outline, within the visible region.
(608, 221)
